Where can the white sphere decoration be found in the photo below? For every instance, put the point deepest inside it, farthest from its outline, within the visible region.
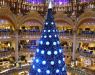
(60, 50)
(44, 30)
(39, 70)
(41, 42)
(43, 62)
(63, 59)
(48, 71)
(57, 71)
(33, 66)
(45, 36)
(63, 69)
(37, 60)
(59, 61)
(48, 30)
(47, 43)
(46, 23)
(55, 52)
(53, 30)
(49, 52)
(52, 62)
(55, 35)
(50, 36)
(33, 58)
(42, 52)
(37, 50)
(54, 43)
(58, 42)
(52, 23)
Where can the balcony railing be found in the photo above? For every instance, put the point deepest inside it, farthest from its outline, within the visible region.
(26, 67)
(79, 71)
(87, 53)
(89, 34)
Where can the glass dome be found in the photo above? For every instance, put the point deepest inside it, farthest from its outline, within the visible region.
(61, 2)
(86, 0)
(36, 1)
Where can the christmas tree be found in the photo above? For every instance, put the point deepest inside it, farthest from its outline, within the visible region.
(49, 59)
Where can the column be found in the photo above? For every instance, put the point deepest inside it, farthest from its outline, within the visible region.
(16, 47)
(74, 46)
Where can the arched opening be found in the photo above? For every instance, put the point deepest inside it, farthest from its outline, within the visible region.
(6, 27)
(31, 29)
(65, 29)
(7, 49)
(87, 28)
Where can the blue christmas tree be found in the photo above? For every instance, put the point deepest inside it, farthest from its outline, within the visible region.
(49, 59)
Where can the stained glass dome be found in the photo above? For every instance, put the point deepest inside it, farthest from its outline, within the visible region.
(36, 1)
(86, 0)
(61, 2)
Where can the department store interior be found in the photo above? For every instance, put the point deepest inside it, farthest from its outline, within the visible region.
(21, 24)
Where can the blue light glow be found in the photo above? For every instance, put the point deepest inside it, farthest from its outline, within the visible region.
(48, 30)
(53, 30)
(48, 71)
(54, 43)
(57, 71)
(46, 23)
(63, 59)
(37, 50)
(55, 35)
(52, 23)
(60, 50)
(59, 61)
(37, 60)
(39, 70)
(50, 36)
(63, 69)
(43, 62)
(49, 52)
(58, 42)
(52, 62)
(44, 30)
(47, 43)
(55, 52)
(45, 36)
(42, 52)
(41, 42)
(33, 66)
